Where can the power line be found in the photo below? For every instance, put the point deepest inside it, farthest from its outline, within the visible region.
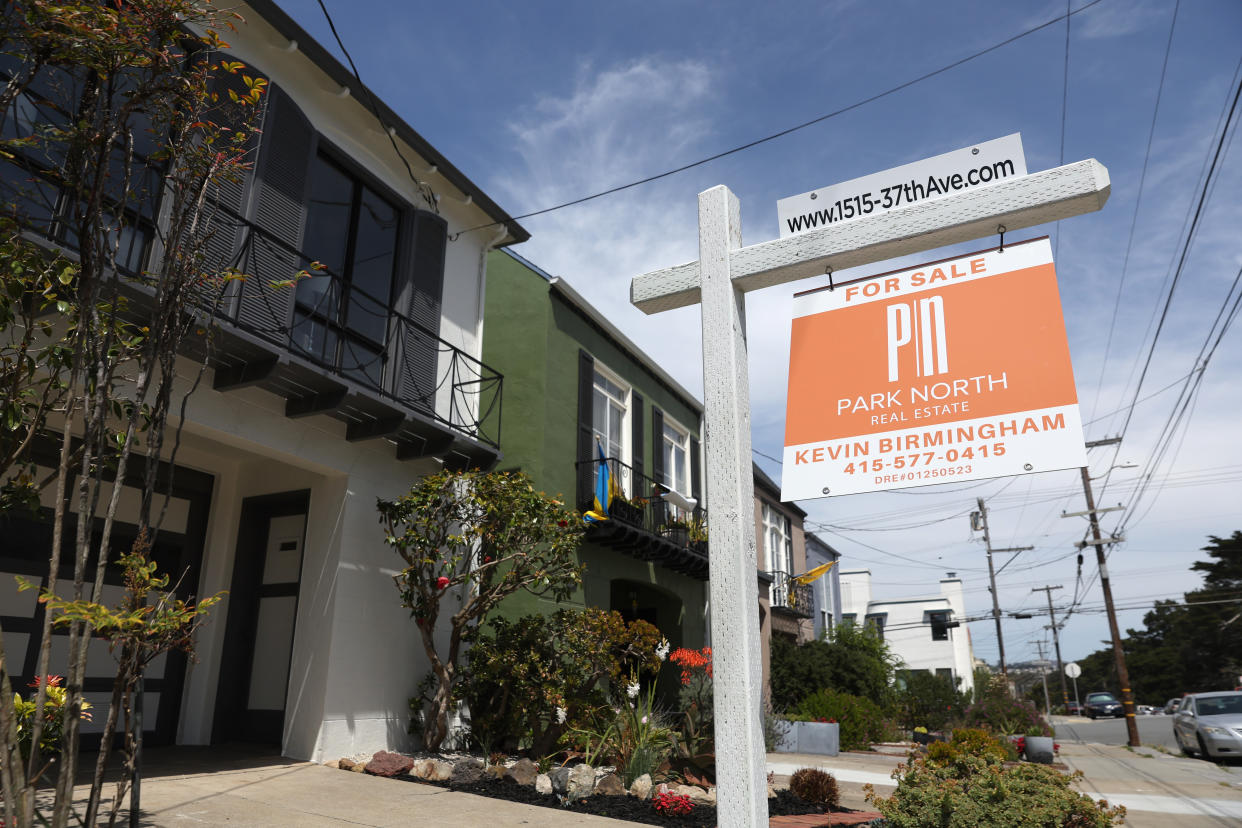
(1125, 263)
(792, 129)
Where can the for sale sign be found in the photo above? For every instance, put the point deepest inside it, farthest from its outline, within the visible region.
(953, 370)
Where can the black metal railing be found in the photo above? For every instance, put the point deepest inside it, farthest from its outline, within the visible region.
(640, 504)
(339, 327)
(787, 593)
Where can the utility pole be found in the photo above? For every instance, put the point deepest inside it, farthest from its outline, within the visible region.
(1123, 674)
(1056, 642)
(1043, 674)
(979, 520)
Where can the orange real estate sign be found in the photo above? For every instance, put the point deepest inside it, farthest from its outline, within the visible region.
(953, 370)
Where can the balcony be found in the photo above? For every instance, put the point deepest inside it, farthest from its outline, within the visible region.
(791, 596)
(382, 373)
(641, 524)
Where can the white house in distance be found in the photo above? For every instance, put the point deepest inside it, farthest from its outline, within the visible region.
(316, 401)
(917, 629)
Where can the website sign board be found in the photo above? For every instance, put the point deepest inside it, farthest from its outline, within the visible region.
(949, 371)
(976, 166)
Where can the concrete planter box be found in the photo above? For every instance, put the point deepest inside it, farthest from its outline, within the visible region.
(1039, 749)
(823, 738)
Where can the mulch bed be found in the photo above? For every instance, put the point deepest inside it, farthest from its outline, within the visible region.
(619, 807)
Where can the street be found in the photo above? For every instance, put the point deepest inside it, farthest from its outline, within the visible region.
(1153, 730)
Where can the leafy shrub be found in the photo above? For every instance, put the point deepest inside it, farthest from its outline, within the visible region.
(815, 786)
(977, 792)
(861, 721)
(528, 681)
(971, 742)
(850, 658)
(928, 700)
(1006, 715)
(53, 716)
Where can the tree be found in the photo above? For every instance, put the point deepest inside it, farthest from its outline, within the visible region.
(114, 142)
(479, 538)
(850, 658)
(1184, 646)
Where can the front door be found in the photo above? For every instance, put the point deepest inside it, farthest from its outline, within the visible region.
(263, 605)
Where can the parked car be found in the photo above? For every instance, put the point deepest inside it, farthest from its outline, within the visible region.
(1210, 724)
(1145, 710)
(1170, 707)
(1103, 704)
(1073, 709)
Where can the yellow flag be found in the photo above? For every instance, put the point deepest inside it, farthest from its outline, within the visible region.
(812, 574)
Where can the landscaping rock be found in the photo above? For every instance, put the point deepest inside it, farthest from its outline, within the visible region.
(543, 783)
(345, 764)
(523, 772)
(610, 785)
(641, 787)
(496, 772)
(388, 764)
(697, 795)
(441, 771)
(560, 780)
(581, 783)
(332, 763)
(466, 772)
(359, 767)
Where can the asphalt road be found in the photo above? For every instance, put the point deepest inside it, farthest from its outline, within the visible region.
(1153, 730)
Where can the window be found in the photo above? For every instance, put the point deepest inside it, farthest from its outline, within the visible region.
(610, 402)
(939, 625)
(676, 455)
(29, 179)
(608, 416)
(342, 315)
(779, 540)
(876, 623)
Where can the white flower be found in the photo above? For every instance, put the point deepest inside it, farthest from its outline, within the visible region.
(662, 649)
(560, 715)
(632, 690)
(644, 719)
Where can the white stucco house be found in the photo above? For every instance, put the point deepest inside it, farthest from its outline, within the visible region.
(921, 631)
(317, 400)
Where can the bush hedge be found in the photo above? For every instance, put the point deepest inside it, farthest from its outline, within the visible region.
(861, 721)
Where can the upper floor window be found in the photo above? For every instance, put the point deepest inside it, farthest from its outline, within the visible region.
(676, 458)
(779, 543)
(611, 401)
(876, 623)
(939, 625)
(342, 315)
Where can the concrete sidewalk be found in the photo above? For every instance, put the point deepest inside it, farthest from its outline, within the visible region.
(221, 786)
(1155, 786)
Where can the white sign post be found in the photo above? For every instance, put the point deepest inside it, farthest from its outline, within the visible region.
(719, 280)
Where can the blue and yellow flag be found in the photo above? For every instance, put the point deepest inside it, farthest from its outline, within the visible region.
(605, 489)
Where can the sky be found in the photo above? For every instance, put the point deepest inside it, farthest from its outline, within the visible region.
(545, 102)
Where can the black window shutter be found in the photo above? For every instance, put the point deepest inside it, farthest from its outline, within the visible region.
(279, 209)
(586, 447)
(657, 444)
(425, 244)
(696, 473)
(636, 439)
(227, 232)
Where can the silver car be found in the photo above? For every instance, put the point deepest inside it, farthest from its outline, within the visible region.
(1210, 724)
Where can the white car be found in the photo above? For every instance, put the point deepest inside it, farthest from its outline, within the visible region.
(1210, 724)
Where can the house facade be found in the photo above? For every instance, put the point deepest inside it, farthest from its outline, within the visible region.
(787, 606)
(825, 590)
(317, 400)
(924, 632)
(578, 390)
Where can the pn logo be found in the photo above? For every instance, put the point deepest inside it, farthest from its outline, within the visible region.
(917, 326)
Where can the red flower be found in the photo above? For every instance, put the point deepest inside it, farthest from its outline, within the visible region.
(52, 681)
(691, 660)
(562, 523)
(442, 582)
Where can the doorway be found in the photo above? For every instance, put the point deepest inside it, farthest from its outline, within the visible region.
(263, 607)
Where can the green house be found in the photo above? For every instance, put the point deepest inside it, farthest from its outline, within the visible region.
(577, 390)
